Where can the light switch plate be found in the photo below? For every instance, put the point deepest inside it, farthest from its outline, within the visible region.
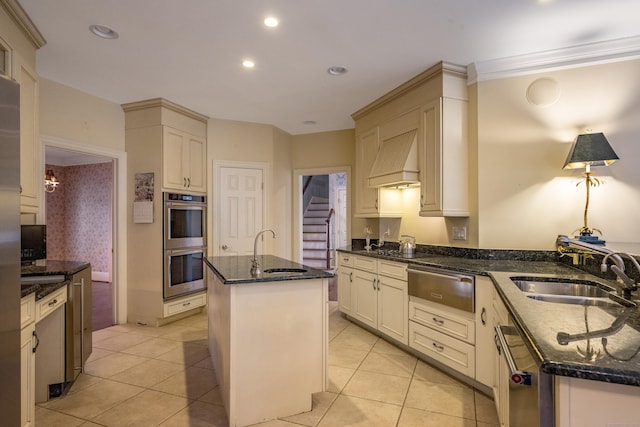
(459, 233)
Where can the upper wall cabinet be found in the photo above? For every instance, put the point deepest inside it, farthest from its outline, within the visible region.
(444, 177)
(426, 119)
(170, 140)
(184, 160)
(19, 40)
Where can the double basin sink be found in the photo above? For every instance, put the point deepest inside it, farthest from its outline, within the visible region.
(580, 292)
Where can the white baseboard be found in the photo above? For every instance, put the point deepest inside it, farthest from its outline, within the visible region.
(100, 276)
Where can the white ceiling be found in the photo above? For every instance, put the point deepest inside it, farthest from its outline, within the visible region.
(190, 51)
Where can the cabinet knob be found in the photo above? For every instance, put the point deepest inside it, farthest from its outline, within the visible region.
(224, 247)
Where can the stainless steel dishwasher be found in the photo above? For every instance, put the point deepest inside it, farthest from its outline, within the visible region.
(526, 392)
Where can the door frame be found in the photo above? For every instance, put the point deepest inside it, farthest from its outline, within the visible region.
(118, 216)
(214, 194)
(298, 175)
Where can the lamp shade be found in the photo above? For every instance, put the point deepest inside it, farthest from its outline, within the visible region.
(590, 149)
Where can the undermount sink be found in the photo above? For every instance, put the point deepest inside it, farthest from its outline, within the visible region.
(566, 291)
(285, 270)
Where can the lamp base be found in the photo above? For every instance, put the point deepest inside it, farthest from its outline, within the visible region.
(594, 240)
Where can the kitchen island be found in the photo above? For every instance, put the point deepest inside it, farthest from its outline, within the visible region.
(268, 336)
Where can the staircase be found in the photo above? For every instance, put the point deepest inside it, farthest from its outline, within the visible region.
(314, 234)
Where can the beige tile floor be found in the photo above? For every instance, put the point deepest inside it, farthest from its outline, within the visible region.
(143, 376)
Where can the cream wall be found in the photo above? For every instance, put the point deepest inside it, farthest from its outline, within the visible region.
(324, 149)
(73, 115)
(525, 198)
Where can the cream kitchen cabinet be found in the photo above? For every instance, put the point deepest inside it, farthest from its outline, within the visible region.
(372, 202)
(28, 344)
(345, 281)
(443, 155)
(19, 40)
(444, 334)
(486, 353)
(183, 161)
(379, 296)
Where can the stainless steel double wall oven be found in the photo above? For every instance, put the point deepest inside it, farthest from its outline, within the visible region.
(185, 244)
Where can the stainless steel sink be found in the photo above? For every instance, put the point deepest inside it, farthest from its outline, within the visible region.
(285, 270)
(569, 288)
(566, 291)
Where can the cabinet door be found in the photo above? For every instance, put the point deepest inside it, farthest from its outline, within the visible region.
(393, 301)
(364, 297)
(486, 353)
(27, 375)
(443, 158)
(345, 280)
(195, 160)
(30, 179)
(173, 171)
(367, 145)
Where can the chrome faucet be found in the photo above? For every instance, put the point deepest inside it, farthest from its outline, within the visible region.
(255, 262)
(624, 284)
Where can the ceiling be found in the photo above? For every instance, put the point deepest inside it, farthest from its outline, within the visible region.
(190, 51)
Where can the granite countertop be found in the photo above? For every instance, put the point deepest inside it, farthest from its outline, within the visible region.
(51, 268)
(234, 270)
(610, 356)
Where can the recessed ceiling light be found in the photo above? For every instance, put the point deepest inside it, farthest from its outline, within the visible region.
(103, 31)
(247, 63)
(271, 22)
(336, 71)
(309, 122)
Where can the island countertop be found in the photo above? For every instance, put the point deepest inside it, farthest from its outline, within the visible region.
(234, 270)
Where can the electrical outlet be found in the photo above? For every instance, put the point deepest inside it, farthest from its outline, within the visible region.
(459, 233)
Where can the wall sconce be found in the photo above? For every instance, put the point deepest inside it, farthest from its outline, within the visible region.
(591, 149)
(50, 181)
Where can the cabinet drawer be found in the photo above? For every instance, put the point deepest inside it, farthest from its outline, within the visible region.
(365, 263)
(446, 350)
(27, 310)
(397, 270)
(185, 304)
(455, 323)
(345, 260)
(51, 302)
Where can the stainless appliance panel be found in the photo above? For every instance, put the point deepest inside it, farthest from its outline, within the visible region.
(445, 287)
(10, 252)
(185, 219)
(530, 396)
(79, 324)
(184, 272)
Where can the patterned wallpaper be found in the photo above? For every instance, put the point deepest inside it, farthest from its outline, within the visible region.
(79, 215)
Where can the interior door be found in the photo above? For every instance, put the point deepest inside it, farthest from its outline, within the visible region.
(240, 211)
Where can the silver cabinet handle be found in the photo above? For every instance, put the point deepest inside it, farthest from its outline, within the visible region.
(351, 277)
(517, 376)
(378, 284)
(438, 347)
(438, 321)
(189, 182)
(483, 316)
(184, 181)
(374, 284)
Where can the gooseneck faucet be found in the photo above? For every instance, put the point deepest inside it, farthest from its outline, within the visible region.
(255, 262)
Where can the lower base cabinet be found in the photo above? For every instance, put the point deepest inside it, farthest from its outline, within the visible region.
(28, 342)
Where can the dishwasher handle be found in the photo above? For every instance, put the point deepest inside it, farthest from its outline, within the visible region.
(517, 376)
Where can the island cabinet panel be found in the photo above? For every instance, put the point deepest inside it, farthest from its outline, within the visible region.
(268, 345)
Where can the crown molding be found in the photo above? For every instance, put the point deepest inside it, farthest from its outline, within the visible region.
(161, 102)
(20, 17)
(576, 56)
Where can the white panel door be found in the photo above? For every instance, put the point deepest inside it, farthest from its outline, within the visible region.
(240, 212)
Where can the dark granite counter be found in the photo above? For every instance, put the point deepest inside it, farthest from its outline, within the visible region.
(233, 270)
(609, 354)
(48, 271)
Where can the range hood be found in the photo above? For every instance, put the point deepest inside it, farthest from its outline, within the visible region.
(397, 162)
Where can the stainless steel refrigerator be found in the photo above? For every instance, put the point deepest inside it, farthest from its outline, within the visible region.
(9, 252)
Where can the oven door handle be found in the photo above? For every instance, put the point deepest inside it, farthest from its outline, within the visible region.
(516, 376)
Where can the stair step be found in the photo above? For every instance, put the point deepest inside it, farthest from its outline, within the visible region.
(314, 254)
(314, 221)
(322, 237)
(314, 228)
